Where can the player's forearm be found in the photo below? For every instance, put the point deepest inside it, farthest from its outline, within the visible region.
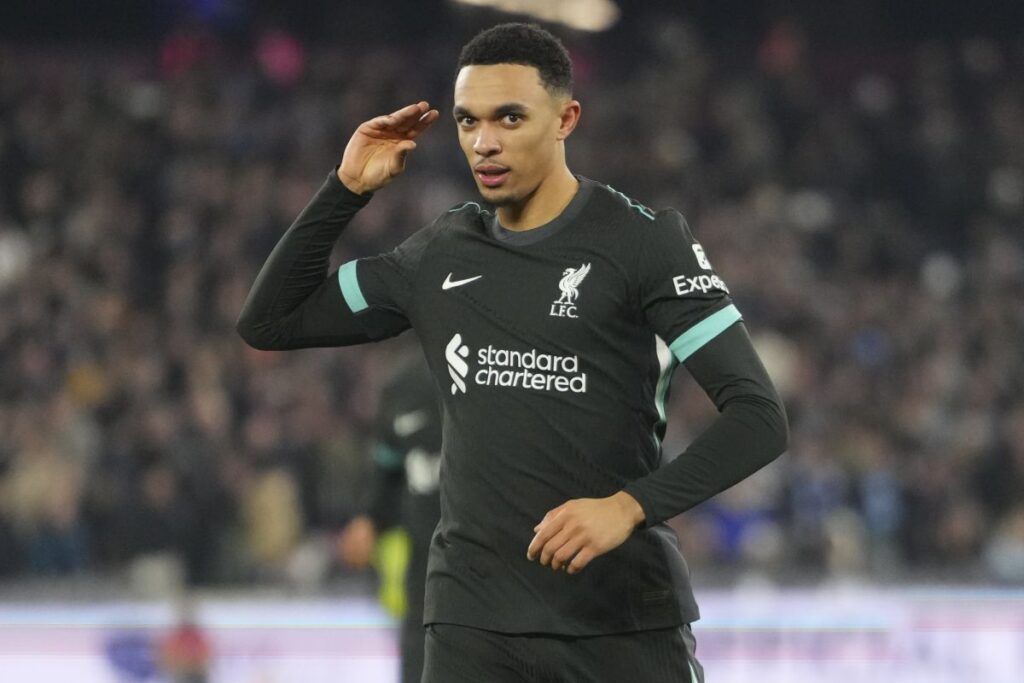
(748, 435)
(272, 317)
(750, 431)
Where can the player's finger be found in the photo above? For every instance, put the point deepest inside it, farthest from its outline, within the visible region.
(542, 537)
(563, 555)
(403, 148)
(545, 530)
(582, 559)
(383, 122)
(547, 551)
(551, 514)
(424, 123)
(407, 117)
(409, 110)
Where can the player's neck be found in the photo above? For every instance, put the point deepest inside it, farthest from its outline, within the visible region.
(545, 204)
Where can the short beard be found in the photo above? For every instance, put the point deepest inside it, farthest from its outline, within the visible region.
(507, 198)
(504, 199)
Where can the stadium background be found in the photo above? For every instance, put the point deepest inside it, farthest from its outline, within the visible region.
(855, 169)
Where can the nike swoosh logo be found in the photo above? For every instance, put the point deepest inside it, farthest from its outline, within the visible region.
(449, 282)
(410, 423)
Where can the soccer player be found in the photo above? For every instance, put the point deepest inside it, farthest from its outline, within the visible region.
(539, 320)
(405, 490)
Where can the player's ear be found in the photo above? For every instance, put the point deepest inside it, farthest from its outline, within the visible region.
(569, 117)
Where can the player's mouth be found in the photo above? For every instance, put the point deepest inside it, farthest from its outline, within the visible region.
(491, 175)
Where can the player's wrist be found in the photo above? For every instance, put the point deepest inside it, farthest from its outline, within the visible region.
(353, 185)
(631, 509)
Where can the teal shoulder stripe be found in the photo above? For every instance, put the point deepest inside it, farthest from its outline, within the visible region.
(350, 287)
(693, 339)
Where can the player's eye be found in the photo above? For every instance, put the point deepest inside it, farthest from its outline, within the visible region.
(465, 120)
(513, 119)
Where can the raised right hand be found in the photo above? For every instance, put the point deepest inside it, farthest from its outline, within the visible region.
(376, 153)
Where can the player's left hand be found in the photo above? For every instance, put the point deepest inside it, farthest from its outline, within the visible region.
(575, 532)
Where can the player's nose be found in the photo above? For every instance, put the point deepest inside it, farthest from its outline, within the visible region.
(486, 143)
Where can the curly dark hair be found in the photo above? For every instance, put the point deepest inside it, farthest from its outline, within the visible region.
(527, 44)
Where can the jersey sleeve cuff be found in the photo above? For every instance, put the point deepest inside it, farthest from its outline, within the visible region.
(345, 196)
(637, 490)
(691, 341)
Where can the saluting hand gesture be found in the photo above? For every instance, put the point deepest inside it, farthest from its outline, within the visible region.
(376, 153)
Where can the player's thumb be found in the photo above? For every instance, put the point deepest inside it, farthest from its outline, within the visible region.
(403, 148)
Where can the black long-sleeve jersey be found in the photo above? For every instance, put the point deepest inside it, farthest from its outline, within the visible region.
(543, 344)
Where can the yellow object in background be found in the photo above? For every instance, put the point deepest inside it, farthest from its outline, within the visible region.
(391, 560)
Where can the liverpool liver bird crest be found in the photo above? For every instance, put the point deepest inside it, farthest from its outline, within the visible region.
(570, 282)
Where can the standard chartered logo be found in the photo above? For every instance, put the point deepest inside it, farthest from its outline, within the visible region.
(454, 353)
(529, 369)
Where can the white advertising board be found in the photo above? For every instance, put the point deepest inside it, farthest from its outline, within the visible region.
(851, 635)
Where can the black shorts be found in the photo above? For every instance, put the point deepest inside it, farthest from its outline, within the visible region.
(460, 654)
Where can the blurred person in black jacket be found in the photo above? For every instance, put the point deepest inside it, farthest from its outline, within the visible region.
(407, 460)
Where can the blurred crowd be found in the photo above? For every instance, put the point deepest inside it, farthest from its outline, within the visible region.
(866, 209)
